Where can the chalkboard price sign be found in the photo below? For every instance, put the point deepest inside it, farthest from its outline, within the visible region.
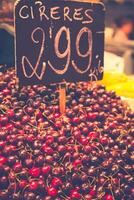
(59, 40)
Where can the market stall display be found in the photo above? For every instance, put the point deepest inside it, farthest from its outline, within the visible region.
(85, 154)
(64, 141)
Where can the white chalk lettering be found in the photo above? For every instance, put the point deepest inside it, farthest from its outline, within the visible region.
(66, 14)
(42, 11)
(22, 13)
(88, 54)
(54, 13)
(77, 14)
(90, 18)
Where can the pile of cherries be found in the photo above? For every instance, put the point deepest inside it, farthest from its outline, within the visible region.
(86, 154)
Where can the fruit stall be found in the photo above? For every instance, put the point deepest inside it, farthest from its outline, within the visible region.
(64, 142)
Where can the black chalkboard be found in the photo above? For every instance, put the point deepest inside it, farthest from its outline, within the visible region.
(59, 41)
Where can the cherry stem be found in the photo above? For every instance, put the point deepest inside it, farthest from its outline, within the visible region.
(124, 170)
(50, 121)
(33, 126)
(112, 193)
(2, 111)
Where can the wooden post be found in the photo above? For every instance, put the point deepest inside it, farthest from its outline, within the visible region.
(62, 98)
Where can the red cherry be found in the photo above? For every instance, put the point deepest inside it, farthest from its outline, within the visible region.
(41, 184)
(13, 148)
(84, 140)
(92, 192)
(70, 149)
(75, 190)
(93, 135)
(61, 148)
(22, 184)
(17, 167)
(33, 122)
(85, 130)
(40, 121)
(75, 120)
(39, 114)
(75, 195)
(8, 149)
(49, 159)
(35, 172)
(12, 176)
(6, 92)
(46, 170)
(112, 125)
(10, 114)
(56, 108)
(2, 144)
(52, 192)
(56, 115)
(82, 118)
(87, 149)
(132, 192)
(29, 110)
(33, 185)
(3, 160)
(30, 138)
(48, 150)
(9, 127)
(49, 139)
(91, 116)
(88, 197)
(104, 140)
(115, 181)
(56, 182)
(17, 124)
(77, 134)
(32, 95)
(25, 119)
(76, 163)
(21, 132)
(108, 197)
(3, 120)
(58, 124)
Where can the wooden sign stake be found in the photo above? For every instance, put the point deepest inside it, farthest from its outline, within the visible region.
(62, 98)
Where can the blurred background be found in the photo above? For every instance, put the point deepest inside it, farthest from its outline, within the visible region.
(119, 43)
